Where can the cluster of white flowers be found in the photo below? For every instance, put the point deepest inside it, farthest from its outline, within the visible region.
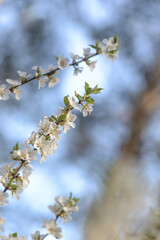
(86, 109)
(37, 236)
(26, 154)
(52, 228)
(17, 183)
(44, 140)
(108, 48)
(43, 78)
(16, 91)
(64, 207)
(4, 171)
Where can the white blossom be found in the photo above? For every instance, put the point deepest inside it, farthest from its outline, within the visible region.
(26, 173)
(39, 73)
(113, 56)
(26, 154)
(41, 144)
(70, 118)
(18, 191)
(4, 171)
(74, 56)
(45, 141)
(51, 67)
(3, 198)
(42, 82)
(4, 93)
(37, 236)
(50, 128)
(52, 81)
(92, 65)
(110, 44)
(52, 228)
(13, 82)
(77, 70)
(43, 147)
(44, 126)
(39, 69)
(109, 48)
(17, 92)
(87, 52)
(63, 62)
(74, 104)
(55, 132)
(87, 109)
(32, 138)
(23, 75)
(2, 221)
(64, 207)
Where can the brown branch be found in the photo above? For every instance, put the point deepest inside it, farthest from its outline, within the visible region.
(52, 72)
(15, 174)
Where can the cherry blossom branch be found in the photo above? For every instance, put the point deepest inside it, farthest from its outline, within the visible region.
(44, 141)
(108, 48)
(53, 71)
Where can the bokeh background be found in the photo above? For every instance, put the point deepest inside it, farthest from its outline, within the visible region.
(111, 159)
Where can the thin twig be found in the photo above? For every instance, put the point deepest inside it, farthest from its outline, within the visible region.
(52, 72)
(15, 174)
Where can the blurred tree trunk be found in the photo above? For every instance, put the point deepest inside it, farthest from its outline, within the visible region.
(120, 210)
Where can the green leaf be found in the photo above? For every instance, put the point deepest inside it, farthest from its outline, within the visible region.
(96, 90)
(93, 46)
(61, 118)
(86, 86)
(116, 38)
(91, 101)
(38, 71)
(53, 117)
(88, 89)
(16, 159)
(66, 101)
(13, 235)
(16, 147)
(76, 199)
(71, 194)
(97, 43)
